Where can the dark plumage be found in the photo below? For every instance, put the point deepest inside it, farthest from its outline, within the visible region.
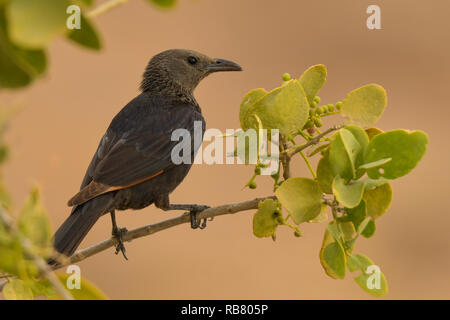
(132, 166)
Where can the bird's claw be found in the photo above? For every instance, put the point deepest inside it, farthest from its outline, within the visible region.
(120, 247)
(195, 223)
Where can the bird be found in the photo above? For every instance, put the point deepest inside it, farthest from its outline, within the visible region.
(133, 167)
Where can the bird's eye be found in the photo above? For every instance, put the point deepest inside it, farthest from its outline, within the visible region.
(192, 60)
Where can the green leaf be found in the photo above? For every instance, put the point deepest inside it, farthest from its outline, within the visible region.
(43, 288)
(344, 150)
(301, 197)
(369, 229)
(312, 80)
(378, 200)
(265, 220)
(357, 215)
(374, 164)
(325, 175)
(403, 147)
(17, 289)
(363, 139)
(247, 104)
(34, 223)
(332, 256)
(349, 195)
(33, 24)
(284, 108)
(365, 105)
(18, 66)
(368, 281)
(322, 217)
(164, 4)
(87, 36)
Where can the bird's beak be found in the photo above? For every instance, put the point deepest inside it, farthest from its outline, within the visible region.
(223, 65)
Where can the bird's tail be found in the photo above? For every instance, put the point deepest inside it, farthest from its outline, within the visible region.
(83, 217)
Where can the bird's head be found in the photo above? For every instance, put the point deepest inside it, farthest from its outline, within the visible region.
(180, 69)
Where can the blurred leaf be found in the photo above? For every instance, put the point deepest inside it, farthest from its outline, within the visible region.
(17, 289)
(165, 4)
(372, 132)
(5, 198)
(34, 223)
(344, 150)
(301, 197)
(87, 36)
(364, 280)
(312, 80)
(33, 24)
(349, 195)
(87, 291)
(404, 148)
(378, 200)
(325, 175)
(4, 152)
(332, 256)
(87, 2)
(365, 105)
(18, 66)
(284, 108)
(265, 219)
(43, 288)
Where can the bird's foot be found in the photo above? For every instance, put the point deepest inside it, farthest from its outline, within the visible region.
(195, 222)
(118, 233)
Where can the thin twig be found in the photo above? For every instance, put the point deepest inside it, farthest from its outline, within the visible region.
(163, 225)
(104, 7)
(43, 267)
(315, 140)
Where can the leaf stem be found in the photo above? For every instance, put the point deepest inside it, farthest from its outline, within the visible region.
(309, 165)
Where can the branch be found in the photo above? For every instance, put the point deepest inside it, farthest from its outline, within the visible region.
(315, 140)
(163, 225)
(104, 7)
(43, 267)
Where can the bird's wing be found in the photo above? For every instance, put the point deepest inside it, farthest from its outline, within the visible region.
(138, 155)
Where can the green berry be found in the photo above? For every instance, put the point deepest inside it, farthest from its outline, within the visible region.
(286, 77)
(317, 99)
(252, 185)
(258, 171)
(330, 107)
(318, 112)
(339, 105)
(312, 112)
(323, 109)
(318, 122)
(313, 104)
(297, 233)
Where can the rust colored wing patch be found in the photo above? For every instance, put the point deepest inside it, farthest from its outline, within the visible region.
(95, 189)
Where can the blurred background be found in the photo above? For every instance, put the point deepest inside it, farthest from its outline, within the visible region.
(63, 116)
